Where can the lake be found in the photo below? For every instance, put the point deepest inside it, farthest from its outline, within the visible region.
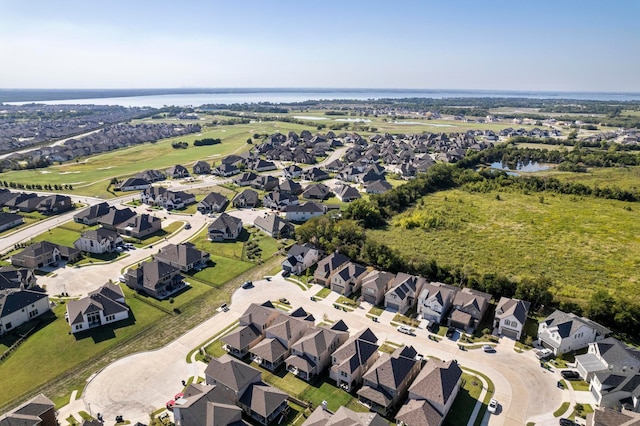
(532, 166)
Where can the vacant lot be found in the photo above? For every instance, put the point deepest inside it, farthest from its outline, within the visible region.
(623, 177)
(581, 244)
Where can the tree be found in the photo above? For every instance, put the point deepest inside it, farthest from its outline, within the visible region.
(600, 306)
(365, 213)
(535, 291)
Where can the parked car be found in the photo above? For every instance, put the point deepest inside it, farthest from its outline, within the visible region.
(543, 353)
(567, 422)
(247, 284)
(570, 375)
(493, 406)
(286, 273)
(283, 301)
(224, 307)
(488, 348)
(404, 329)
(451, 331)
(121, 279)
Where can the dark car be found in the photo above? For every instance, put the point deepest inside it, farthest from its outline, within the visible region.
(567, 422)
(247, 284)
(451, 331)
(570, 375)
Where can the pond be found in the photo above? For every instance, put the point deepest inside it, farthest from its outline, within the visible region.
(532, 166)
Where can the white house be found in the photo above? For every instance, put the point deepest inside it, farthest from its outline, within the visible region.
(100, 307)
(98, 241)
(18, 306)
(300, 258)
(565, 332)
(510, 316)
(303, 212)
(435, 300)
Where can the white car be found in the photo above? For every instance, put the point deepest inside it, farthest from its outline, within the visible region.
(404, 329)
(493, 406)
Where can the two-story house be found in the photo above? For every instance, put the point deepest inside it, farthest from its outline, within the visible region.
(274, 226)
(510, 317)
(565, 332)
(347, 279)
(251, 328)
(386, 383)
(375, 285)
(90, 215)
(300, 258)
(311, 355)
(279, 337)
(343, 416)
(102, 306)
(184, 256)
(327, 267)
(303, 212)
(435, 300)
(157, 279)
(404, 291)
(98, 241)
(247, 198)
(431, 395)
(18, 306)
(469, 307)
(351, 360)
(213, 203)
(224, 227)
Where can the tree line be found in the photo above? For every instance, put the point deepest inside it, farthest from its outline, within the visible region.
(36, 186)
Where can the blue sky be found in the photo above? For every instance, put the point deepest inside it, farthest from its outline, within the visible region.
(506, 45)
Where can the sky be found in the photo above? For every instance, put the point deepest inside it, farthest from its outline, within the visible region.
(540, 45)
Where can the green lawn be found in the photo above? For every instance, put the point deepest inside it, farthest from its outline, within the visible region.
(324, 292)
(562, 409)
(581, 244)
(623, 177)
(223, 270)
(465, 402)
(376, 311)
(579, 385)
(23, 370)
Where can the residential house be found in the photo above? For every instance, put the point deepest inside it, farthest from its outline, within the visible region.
(225, 170)
(435, 300)
(115, 217)
(565, 332)
(10, 220)
(315, 174)
(247, 198)
(245, 179)
(206, 405)
(13, 200)
(43, 253)
(90, 215)
(156, 279)
(201, 168)
(327, 267)
(279, 337)
(243, 385)
(351, 360)
(344, 416)
(510, 317)
(12, 278)
(184, 256)
(377, 187)
(469, 307)
(260, 165)
(290, 187)
(615, 390)
(162, 197)
(386, 383)
(133, 184)
(265, 183)
(311, 355)
(346, 193)
(140, 226)
(18, 306)
(54, 204)
(319, 191)
(431, 395)
(177, 172)
(348, 278)
(292, 172)
(300, 258)
(250, 331)
(374, 286)
(279, 200)
(608, 354)
(151, 176)
(102, 306)
(39, 411)
(274, 226)
(404, 291)
(304, 212)
(224, 227)
(98, 241)
(213, 203)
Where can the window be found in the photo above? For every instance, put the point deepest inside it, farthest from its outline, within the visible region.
(33, 313)
(7, 325)
(343, 374)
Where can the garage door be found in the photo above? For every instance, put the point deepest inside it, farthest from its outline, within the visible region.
(393, 306)
(510, 333)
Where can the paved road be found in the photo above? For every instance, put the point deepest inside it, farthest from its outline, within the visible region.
(523, 389)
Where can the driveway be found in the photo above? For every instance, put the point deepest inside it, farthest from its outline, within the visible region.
(152, 378)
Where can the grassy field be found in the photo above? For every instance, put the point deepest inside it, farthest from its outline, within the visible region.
(465, 402)
(581, 244)
(63, 351)
(623, 177)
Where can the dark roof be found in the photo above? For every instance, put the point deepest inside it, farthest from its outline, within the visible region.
(234, 374)
(116, 216)
(12, 300)
(93, 212)
(224, 223)
(6, 218)
(437, 381)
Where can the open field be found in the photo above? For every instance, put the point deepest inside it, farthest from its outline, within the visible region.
(623, 177)
(581, 244)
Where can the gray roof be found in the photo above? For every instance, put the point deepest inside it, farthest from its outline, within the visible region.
(609, 417)
(330, 263)
(153, 271)
(344, 417)
(391, 370)
(569, 323)
(263, 399)
(182, 254)
(356, 351)
(102, 299)
(378, 280)
(437, 381)
(272, 223)
(308, 207)
(419, 413)
(517, 308)
(269, 349)
(12, 300)
(116, 216)
(214, 198)
(234, 374)
(100, 234)
(242, 337)
(250, 196)
(6, 218)
(225, 223)
(28, 414)
(315, 342)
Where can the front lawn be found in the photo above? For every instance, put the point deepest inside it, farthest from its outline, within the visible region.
(223, 270)
(465, 402)
(324, 292)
